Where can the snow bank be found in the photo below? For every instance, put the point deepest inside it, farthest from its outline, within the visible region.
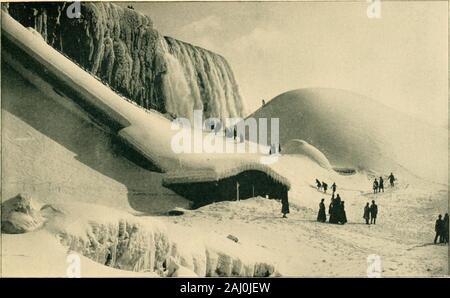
(123, 241)
(20, 215)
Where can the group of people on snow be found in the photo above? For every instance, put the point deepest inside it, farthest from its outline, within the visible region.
(336, 211)
(324, 186)
(337, 214)
(370, 213)
(378, 185)
(441, 228)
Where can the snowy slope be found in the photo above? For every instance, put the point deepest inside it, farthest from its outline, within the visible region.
(58, 156)
(357, 132)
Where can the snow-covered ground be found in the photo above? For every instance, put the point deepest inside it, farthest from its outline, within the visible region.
(301, 246)
(296, 246)
(92, 193)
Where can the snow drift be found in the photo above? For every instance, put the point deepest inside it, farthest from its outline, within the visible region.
(122, 241)
(356, 132)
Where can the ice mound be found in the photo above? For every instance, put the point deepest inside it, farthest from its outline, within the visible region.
(20, 215)
(296, 146)
(360, 133)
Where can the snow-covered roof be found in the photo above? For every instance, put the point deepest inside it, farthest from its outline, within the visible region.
(216, 174)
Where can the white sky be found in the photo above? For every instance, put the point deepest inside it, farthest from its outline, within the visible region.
(400, 59)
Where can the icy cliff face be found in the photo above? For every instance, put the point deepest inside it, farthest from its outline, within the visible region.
(202, 79)
(123, 49)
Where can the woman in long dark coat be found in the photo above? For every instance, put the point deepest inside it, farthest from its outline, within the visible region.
(332, 211)
(446, 228)
(342, 214)
(322, 216)
(366, 215)
(284, 206)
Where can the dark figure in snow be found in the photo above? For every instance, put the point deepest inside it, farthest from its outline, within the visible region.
(335, 210)
(366, 215)
(341, 214)
(284, 206)
(319, 185)
(439, 228)
(333, 187)
(375, 186)
(446, 228)
(391, 179)
(108, 258)
(322, 217)
(331, 204)
(263, 102)
(338, 199)
(279, 148)
(381, 185)
(331, 212)
(325, 187)
(373, 213)
(234, 133)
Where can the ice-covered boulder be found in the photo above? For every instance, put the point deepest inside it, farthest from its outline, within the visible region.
(20, 215)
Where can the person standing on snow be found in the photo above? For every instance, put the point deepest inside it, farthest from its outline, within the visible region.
(391, 179)
(439, 227)
(322, 217)
(373, 212)
(325, 187)
(331, 210)
(366, 215)
(375, 186)
(319, 185)
(333, 187)
(446, 228)
(342, 214)
(284, 206)
(381, 185)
